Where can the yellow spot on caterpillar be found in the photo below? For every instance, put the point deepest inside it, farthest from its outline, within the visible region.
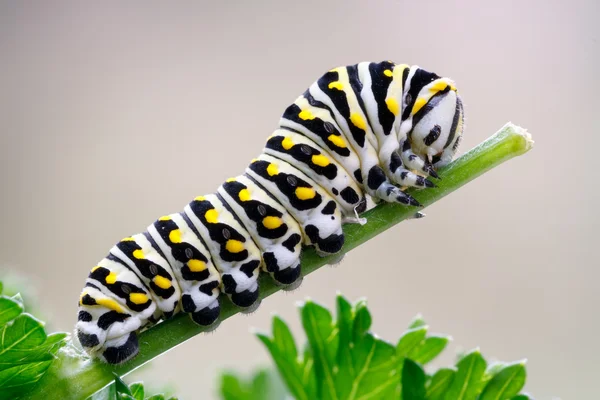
(165, 218)
(127, 239)
(110, 304)
(272, 170)
(138, 298)
(196, 265)
(358, 121)
(211, 216)
(95, 268)
(392, 105)
(438, 86)
(81, 298)
(305, 114)
(162, 282)
(320, 160)
(230, 180)
(304, 193)
(336, 85)
(139, 254)
(244, 195)
(337, 140)
(253, 160)
(111, 278)
(272, 222)
(388, 73)
(418, 105)
(234, 246)
(200, 198)
(287, 143)
(452, 87)
(175, 236)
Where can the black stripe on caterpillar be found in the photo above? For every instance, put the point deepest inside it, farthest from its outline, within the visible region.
(359, 131)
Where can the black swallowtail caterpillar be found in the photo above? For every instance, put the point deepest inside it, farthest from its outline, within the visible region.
(369, 129)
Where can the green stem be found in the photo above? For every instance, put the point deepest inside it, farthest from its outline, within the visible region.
(72, 376)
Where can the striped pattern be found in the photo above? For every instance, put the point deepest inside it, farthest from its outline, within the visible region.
(362, 131)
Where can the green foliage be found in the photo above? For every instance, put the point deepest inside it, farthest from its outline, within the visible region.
(343, 360)
(264, 385)
(136, 391)
(26, 351)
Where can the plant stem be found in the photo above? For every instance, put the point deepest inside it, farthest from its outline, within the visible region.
(73, 376)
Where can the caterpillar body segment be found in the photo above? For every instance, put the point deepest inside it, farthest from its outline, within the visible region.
(360, 132)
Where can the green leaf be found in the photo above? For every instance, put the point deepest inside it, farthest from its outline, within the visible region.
(121, 387)
(522, 397)
(9, 310)
(410, 340)
(413, 381)
(263, 386)
(322, 337)
(1, 287)
(374, 363)
(439, 384)
(18, 380)
(25, 350)
(467, 382)
(345, 323)
(160, 397)
(417, 322)
(232, 388)
(362, 319)
(506, 383)
(428, 349)
(137, 390)
(291, 371)
(283, 339)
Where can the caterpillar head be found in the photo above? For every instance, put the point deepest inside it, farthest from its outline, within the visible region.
(432, 116)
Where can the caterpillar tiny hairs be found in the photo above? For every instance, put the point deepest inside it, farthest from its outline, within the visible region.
(359, 132)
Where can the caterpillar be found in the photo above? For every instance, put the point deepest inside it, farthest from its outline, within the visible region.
(365, 131)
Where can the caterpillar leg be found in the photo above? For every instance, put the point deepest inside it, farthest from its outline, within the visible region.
(272, 228)
(192, 265)
(414, 162)
(314, 210)
(232, 249)
(121, 349)
(113, 305)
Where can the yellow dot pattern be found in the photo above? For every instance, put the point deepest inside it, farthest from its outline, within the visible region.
(305, 114)
(211, 216)
(418, 105)
(272, 222)
(110, 304)
(272, 170)
(139, 254)
(95, 268)
(244, 195)
(336, 85)
(165, 218)
(196, 265)
(287, 143)
(161, 282)
(138, 298)
(304, 193)
(337, 140)
(175, 236)
(200, 198)
(388, 73)
(320, 160)
(111, 278)
(392, 105)
(234, 246)
(358, 121)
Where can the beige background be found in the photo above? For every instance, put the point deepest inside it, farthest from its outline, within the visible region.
(112, 115)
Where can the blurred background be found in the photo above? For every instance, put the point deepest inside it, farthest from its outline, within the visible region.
(114, 114)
